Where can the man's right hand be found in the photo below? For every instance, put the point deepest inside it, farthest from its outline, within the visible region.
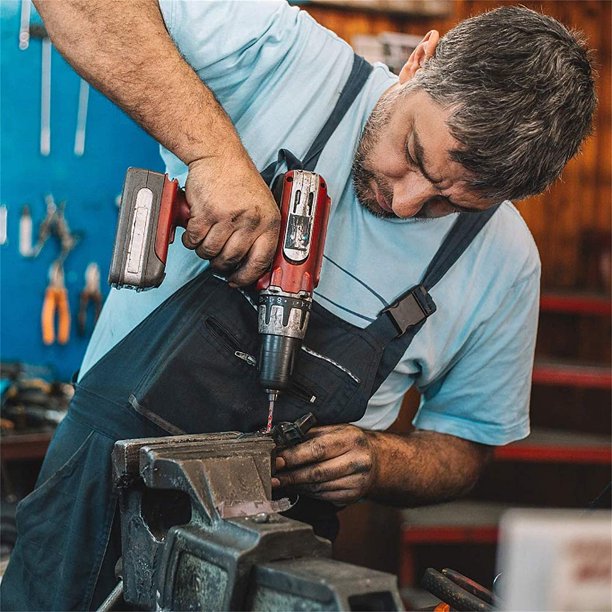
(234, 219)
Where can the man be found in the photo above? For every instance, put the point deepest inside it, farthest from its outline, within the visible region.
(490, 112)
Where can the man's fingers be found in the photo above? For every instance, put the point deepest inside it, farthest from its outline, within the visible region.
(338, 497)
(214, 241)
(323, 445)
(348, 483)
(195, 233)
(233, 252)
(234, 225)
(257, 260)
(327, 471)
(344, 490)
(227, 247)
(336, 464)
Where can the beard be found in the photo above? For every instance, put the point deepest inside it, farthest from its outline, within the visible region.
(364, 178)
(362, 183)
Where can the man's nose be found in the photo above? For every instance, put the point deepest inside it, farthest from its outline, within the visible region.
(410, 193)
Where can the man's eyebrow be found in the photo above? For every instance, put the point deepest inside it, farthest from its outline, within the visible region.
(419, 155)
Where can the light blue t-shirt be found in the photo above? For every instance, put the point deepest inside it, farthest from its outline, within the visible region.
(278, 74)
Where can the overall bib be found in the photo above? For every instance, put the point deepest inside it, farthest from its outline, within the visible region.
(190, 367)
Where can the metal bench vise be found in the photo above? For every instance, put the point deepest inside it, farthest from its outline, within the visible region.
(200, 531)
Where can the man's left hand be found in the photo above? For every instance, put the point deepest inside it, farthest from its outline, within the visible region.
(337, 463)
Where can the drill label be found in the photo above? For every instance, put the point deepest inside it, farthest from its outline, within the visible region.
(140, 228)
(298, 233)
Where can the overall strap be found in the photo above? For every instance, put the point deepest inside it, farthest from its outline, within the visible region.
(399, 322)
(465, 229)
(359, 74)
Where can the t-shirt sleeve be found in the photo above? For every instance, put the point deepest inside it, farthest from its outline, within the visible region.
(235, 46)
(484, 395)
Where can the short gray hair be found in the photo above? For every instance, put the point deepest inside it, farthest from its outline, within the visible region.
(520, 87)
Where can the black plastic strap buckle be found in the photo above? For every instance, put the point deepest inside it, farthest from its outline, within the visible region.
(410, 309)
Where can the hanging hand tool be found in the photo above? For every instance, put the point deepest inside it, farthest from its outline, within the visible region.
(24, 24)
(25, 232)
(79, 135)
(55, 302)
(67, 239)
(3, 220)
(90, 293)
(45, 98)
(153, 206)
(46, 226)
(55, 224)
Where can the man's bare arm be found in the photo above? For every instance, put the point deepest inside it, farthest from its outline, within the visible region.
(440, 467)
(124, 50)
(344, 463)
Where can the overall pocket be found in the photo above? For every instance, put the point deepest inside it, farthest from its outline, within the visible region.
(205, 379)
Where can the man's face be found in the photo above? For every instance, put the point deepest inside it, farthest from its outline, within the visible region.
(402, 167)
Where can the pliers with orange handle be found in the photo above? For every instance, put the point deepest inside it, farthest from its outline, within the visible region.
(55, 302)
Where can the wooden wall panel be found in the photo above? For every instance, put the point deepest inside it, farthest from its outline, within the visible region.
(571, 223)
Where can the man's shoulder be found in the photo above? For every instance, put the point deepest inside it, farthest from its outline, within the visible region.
(509, 240)
(234, 32)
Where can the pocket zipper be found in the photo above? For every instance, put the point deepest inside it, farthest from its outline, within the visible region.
(216, 328)
(301, 392)
(332, 362)
(246, 358)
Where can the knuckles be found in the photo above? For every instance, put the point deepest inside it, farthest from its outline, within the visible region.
(360, 466)
(207, 251)
(317, 474)
(228, 263)
(318, 450)
(259, 265)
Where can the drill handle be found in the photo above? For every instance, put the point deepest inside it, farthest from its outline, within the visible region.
(174, 211)
(182, 210)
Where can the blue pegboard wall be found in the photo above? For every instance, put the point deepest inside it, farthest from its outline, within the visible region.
(89, 185)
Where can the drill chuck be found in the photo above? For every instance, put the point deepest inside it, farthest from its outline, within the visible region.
(283, 319)
(277, 357)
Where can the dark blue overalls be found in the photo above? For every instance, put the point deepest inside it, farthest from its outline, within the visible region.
(183, 370)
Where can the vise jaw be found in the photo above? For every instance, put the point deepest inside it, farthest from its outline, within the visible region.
(200, 532)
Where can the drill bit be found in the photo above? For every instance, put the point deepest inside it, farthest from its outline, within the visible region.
(272, 395)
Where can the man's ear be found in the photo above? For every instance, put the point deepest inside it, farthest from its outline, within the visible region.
(424, 50)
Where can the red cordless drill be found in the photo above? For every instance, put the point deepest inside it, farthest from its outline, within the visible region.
(285, 292)
(151, 208)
